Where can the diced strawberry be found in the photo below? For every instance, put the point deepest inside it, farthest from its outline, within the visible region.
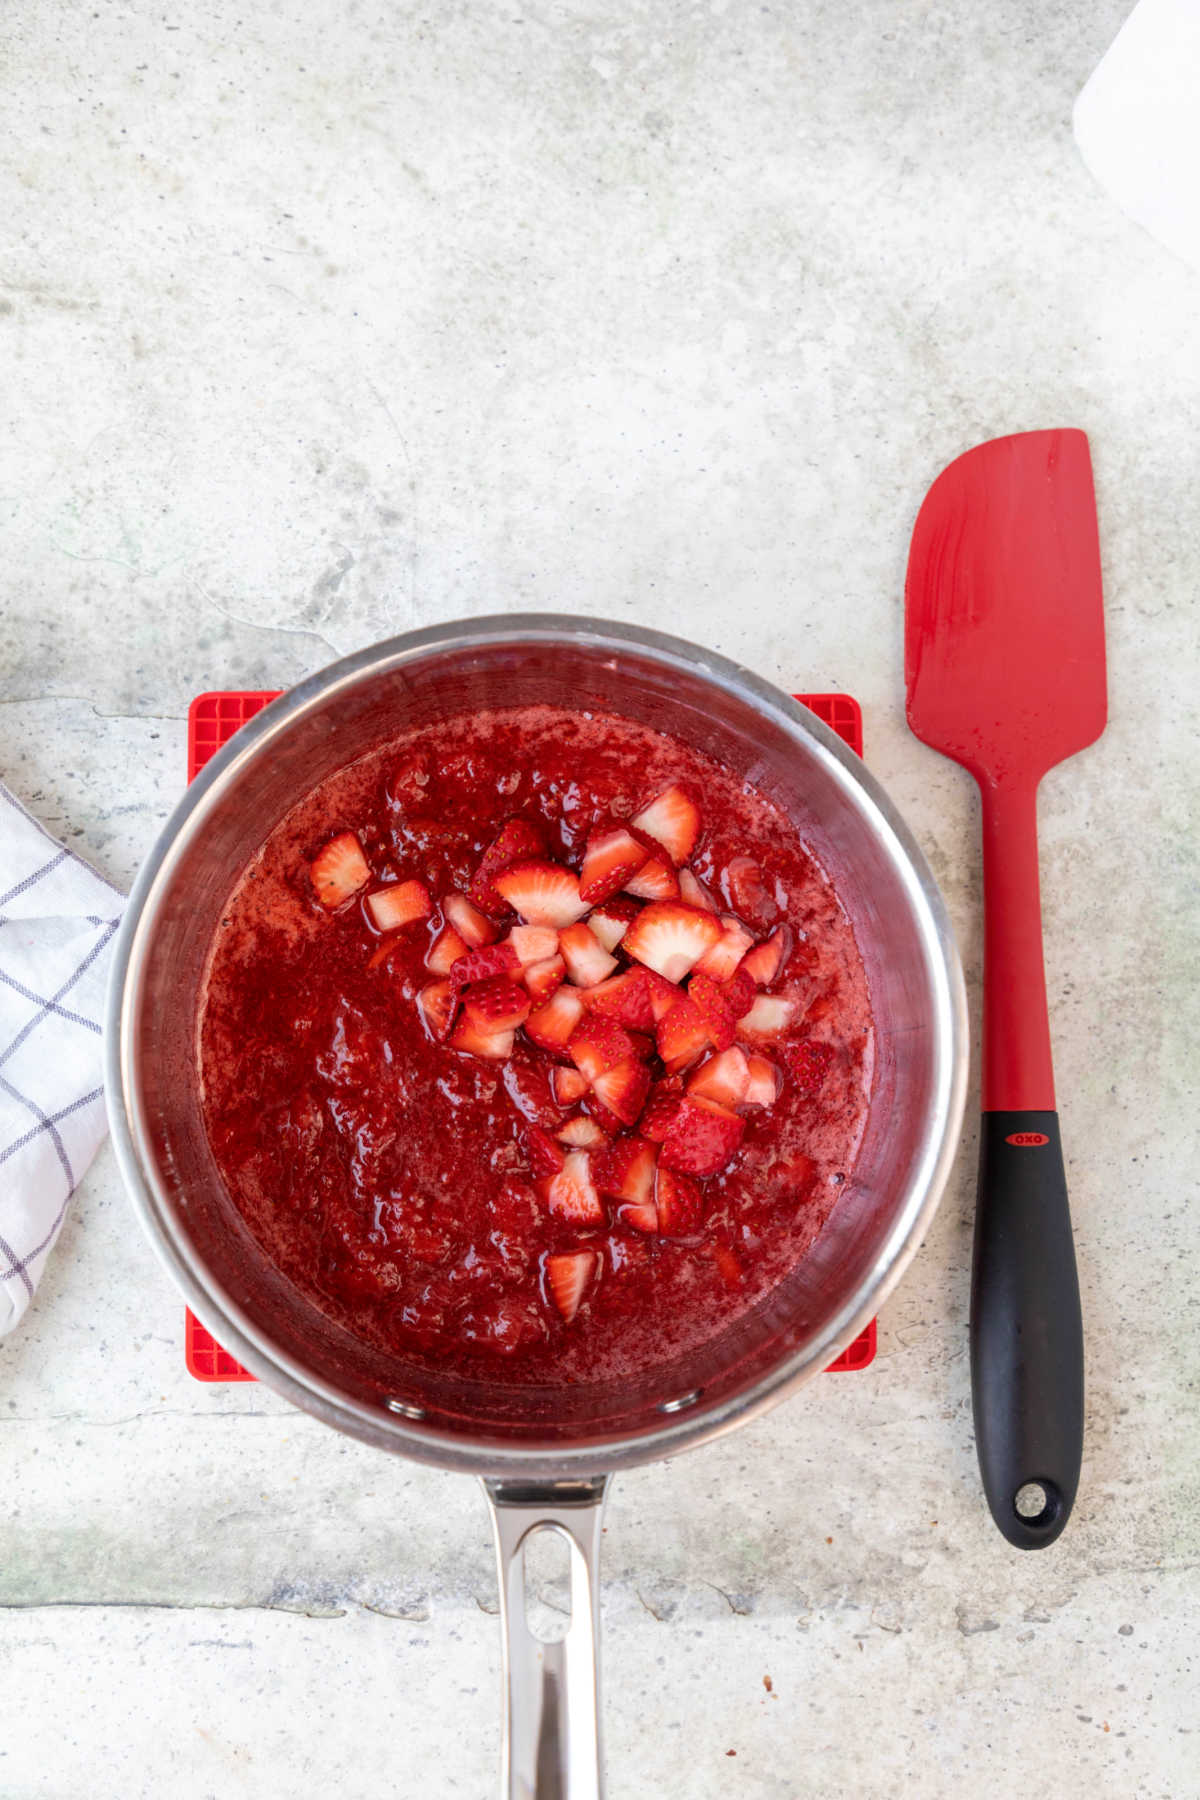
(808, 1064)
(740, 993)
(541, 979)
(469, 922)
(663, 994)
(494, 1045)
(763, 1082)
(659, 1112)
(567, 1086)
(626, 998)
(706, 995)
(746, 890)
(553, 1023)
(496, 1005)
(679, 1203)
(445, 951)
(339, 869)
(722, 960)
(611, 921)
(588, 962)
(568, 1278)
(542, 892)
(626, 1170)
(683, 1036)
(517, 842)
(528, 1087)
(767, 1017)
(571, 1193)
(398, 904)
(674, 819)
(639, 1215)
(723, 1078)
(695, 892)
(545, 1156)
(599, 1044)
(533, 943)
(581, 1133)
(438, 1004)
(623, 1090)
(728, 1264)
(481, 965)
(763, 963)
(608, 1121)
(655, 880)
(611, 857)
(702, 1138)
(670, 938)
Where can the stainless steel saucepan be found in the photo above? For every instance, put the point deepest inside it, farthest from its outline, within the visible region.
(545, 1454)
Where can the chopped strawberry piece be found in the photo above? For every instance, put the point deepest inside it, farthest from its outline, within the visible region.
(705, 994)
(764, 962)
(553, 1023)
(339, 869)
(545, 1156)
(533, 943)
(445, 951)
(678, 1201)
(588, 962)
(763, 1083)
(746, 890)
(808, 1064)
(663, 994)
(767, 1017)
(670, 938)
(655, 880)
(674, 819)
(611, 921)
(438, 1004)
(683, 1036)
(599, 1044)
(518, 841)
(723, 1078)
(581, 1133)
(571, 1193)
(469, 922)
(541, 979)
(568, 1278)
(623, 1090)
(695, 892)
(702, 1139)
(567, 1086)
(528, 1087)
(626, 1171)
(611, 857)
(639, 1216)
(728, 1264)
(398, 904)
(481, 965)
(626, 998)
(722, 960)
(542, 892)
(740, 993)
(492, 1045)
(496, 1005)
(659, 1114)
(608, 1121)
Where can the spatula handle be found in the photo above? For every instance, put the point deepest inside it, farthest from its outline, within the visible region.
(1026, 1327)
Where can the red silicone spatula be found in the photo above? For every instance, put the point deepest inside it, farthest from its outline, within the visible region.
(1004, 667)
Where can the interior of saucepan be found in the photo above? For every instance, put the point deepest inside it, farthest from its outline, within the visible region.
(876, 885)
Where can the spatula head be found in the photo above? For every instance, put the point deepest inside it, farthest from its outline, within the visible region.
(1004, 630)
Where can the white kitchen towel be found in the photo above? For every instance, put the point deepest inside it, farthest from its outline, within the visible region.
(57, 921)
(1137, 122)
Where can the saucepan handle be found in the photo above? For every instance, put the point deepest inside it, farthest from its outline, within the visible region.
(552, 1691)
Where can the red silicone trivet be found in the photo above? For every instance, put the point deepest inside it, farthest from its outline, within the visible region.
(212, 721)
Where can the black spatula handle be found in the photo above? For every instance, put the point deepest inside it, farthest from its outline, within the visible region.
(1026, 1329)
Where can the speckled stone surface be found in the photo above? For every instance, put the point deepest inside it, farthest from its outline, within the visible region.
(325, 321)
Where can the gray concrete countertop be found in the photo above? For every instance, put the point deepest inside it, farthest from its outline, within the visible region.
(322, 322)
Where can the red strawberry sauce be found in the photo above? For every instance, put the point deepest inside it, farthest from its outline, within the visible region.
(391, 1177)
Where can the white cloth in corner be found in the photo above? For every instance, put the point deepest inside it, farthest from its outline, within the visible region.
(57, 921)
(1137, 122)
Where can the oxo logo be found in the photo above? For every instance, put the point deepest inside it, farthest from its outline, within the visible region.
(1028, 1139)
